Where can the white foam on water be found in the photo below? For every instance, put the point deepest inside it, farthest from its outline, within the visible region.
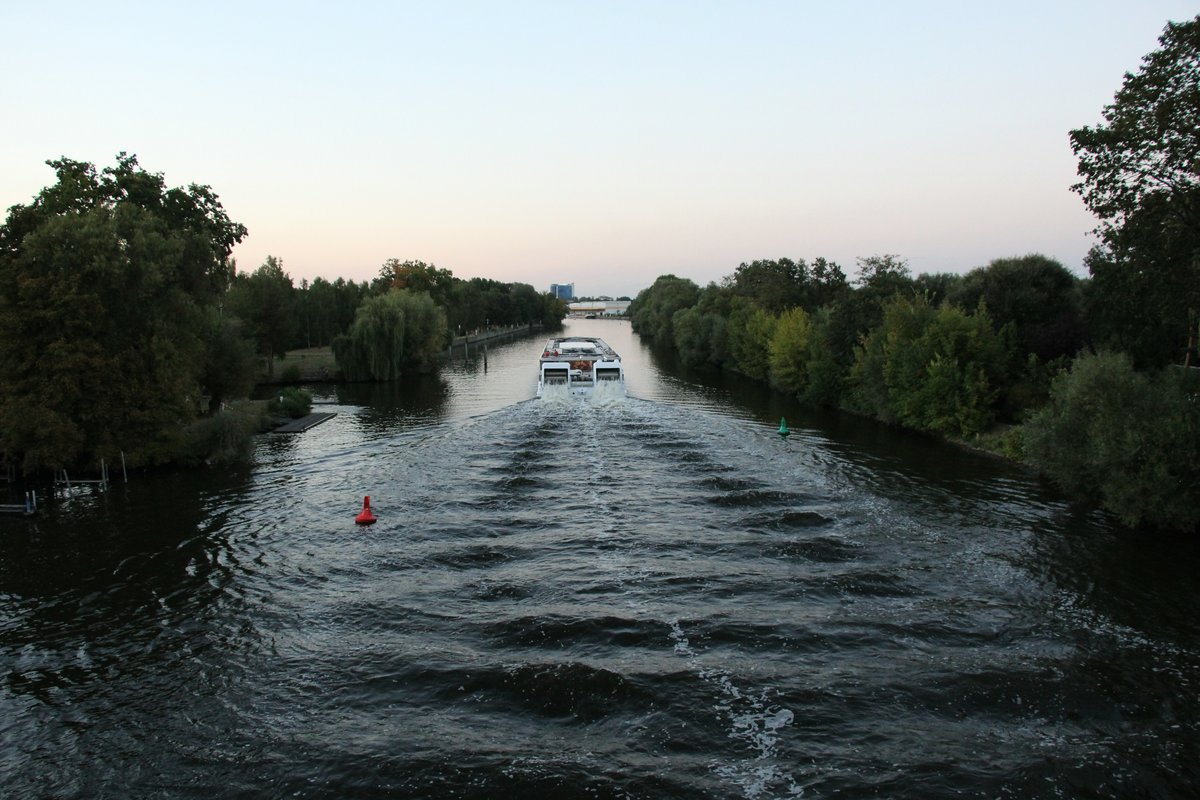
(753, 720)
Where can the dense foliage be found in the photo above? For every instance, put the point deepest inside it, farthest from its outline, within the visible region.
(476, 303)
(881, 347)
(123, 319)
(108, 285)
(954, 355)
(1140, 175)
(265, 300)
(1126, 439)
(121, 315)
(653, 311)
(392, 334)
(934, 369)
(930, 354)
(290, 402)
(1036, 295)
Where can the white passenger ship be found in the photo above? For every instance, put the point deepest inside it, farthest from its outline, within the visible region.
(579, 365)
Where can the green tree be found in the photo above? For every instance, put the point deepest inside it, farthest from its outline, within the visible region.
(417, 277)
(1037, 295)
(848, 318)
(266, 300)
(700, 331)
(652, 311)
(770, 285)
(825, 370)
(937, 286)
(789, 351)
(1139, 301)
(393, 334)
(1126, 439)
(318, 316)
(700, 337)
(1140, 175)
(776, 286)
(827, 284)
(750, 330)
(347, 297)
(104, 282)
(938, 370)
(229, 368)
(883, 276)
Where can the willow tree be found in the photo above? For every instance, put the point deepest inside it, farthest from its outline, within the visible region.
(105, 281)
(392, 334)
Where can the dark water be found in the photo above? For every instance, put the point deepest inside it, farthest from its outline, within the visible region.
(656, 597)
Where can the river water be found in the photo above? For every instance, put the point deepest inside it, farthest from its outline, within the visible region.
(648, 597)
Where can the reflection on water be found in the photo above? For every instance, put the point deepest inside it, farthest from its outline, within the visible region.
(652, 596)
(419, 401)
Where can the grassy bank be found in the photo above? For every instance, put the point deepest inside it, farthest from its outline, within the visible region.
(307, 365)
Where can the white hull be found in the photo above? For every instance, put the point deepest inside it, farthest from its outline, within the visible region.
(579, 366)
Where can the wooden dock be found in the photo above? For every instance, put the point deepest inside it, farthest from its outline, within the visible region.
(304, 423)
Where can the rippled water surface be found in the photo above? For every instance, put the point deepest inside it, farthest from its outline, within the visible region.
(648, 597)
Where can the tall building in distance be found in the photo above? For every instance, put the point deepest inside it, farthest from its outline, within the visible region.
(563, 291)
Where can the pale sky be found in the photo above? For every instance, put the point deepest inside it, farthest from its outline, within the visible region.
(602, 143)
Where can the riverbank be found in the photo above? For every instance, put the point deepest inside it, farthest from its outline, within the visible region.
(317, 364)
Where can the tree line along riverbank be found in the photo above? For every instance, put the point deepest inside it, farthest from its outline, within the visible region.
(1093, 381)
(126, 327)
(127, 331)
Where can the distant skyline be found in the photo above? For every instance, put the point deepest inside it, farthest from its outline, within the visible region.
(600, 145)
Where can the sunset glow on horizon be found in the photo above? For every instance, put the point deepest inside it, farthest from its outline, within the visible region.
(601, 145)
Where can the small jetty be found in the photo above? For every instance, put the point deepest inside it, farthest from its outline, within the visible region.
(28, 508)
(304, 423)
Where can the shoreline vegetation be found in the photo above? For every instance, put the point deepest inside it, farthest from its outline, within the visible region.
(127, 330)
(1093, 382)
(1035, 382)
(1008, 359)
(320, 365)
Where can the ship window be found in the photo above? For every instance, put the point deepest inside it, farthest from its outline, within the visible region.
(608, 374)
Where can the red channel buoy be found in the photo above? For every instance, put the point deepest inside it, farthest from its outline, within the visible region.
(366, 517)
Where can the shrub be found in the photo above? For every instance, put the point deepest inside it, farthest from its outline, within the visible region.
(291, 402)
(1127, 440)
(221, 439)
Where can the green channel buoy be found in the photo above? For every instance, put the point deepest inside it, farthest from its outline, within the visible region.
(783, 428)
